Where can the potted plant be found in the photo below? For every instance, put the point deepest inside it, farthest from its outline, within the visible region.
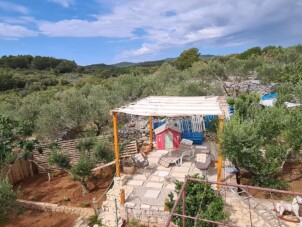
(146, 148)
(128, 166)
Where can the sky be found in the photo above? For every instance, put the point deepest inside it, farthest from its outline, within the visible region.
(111, 31)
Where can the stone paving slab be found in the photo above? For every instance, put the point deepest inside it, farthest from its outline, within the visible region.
(152, 194)
(153, 160)
(176, 174)
(135, 182)
(139, 177)
(163, 168)
(154, 185)
(170, 186)
(186, 164)
(181, 169)
(157, 179)
(180, 179)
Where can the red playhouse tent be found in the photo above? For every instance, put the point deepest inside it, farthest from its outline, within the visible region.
(167, 137)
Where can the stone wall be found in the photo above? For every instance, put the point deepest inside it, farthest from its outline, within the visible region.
(83, 212)
(250, 85)
(144, 214)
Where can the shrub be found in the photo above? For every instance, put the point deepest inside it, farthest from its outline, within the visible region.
(7, 200)
(201, 201)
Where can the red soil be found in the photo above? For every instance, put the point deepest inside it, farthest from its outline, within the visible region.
(34, 218)
(63, 190)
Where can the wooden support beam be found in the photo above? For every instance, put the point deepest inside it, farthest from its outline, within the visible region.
(116, 149)
(219, 167)
(151, 132)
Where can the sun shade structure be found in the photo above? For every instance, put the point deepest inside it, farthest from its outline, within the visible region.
(177, 106)
(173, 106)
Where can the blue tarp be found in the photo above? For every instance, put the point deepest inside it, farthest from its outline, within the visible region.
(208, 119)
(269, 96)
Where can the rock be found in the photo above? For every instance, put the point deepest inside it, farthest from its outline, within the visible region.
(145, 138)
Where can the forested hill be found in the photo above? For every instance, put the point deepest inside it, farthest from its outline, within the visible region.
(55, 95)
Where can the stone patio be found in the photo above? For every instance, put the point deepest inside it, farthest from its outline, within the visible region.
(150, 188)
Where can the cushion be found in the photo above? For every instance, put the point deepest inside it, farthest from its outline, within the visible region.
(139, 157)
(186, 142)
(201, 158)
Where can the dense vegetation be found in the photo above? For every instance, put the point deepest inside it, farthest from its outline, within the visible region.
(90, 152)
(55, 96)
(201, 202)
(260, 139)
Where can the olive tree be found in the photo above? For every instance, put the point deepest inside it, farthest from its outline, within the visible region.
(187, 58)
(91, 152)
(260, 140)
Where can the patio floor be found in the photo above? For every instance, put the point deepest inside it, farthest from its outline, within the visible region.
(151, 187)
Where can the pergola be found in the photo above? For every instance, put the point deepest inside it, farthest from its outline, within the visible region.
(173, 106)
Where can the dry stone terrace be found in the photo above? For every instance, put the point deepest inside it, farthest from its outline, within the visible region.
(147, 189)
(152, 186)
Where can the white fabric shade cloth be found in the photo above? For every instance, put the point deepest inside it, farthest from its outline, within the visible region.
(177, 106)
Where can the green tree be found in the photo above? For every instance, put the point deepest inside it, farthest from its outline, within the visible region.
(7, 81)
(49, 121)
(12, 135)
(187, 58)
(16, 62)
(201, 202)
(66, 66)
(258, 143)
(8, 199)
(250, 52)
(91, 152)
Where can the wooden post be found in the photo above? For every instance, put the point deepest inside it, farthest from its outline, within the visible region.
(151, 131)
(116, 150)
(122, 201)
(219, 164)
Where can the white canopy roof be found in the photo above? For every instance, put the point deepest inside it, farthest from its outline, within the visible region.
(177, 106)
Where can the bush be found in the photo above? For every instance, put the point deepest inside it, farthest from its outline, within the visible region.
(201, 200)
(7, 200)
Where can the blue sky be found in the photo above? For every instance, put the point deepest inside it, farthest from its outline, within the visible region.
(110, 31)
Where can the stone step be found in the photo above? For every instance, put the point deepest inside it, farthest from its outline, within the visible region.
(181, 169)
(178, 175)
(152, 194)
(135, 182)
(138, 177)
(154, 185)
(157, 179)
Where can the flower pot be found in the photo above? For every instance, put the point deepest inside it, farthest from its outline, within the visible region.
(146, 149)
(129, 170)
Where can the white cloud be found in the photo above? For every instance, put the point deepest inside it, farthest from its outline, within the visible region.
(191, 22)
(206, 33)
(8, 31)
(144, 50)
(82, 28)
(194, 22)
(64, 3)
(23, 20)
(12, 7)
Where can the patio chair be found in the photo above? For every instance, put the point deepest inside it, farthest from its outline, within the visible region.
(140, 160)
(203, 162)
(176, 156)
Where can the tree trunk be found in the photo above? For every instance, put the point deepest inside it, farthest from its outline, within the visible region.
(84, 187)
(98, 128)
(238, 178)
(31, 168)
(8, 172)
(49, 176)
